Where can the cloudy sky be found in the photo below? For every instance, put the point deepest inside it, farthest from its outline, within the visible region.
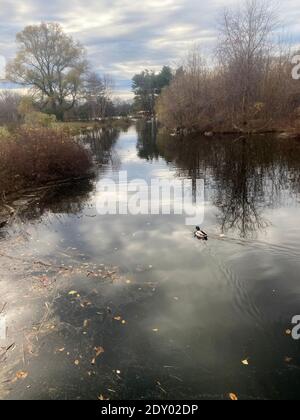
(123, 37)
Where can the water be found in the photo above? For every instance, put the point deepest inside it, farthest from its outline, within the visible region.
(175, 317)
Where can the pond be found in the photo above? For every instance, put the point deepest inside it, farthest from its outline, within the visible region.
(133, 306)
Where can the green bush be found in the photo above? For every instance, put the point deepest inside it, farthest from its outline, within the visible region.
(39, 120)
(4, 133)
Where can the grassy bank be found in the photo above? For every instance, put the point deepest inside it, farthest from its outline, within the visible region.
(77, 127)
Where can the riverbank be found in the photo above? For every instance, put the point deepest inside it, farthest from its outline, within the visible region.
(36, 160)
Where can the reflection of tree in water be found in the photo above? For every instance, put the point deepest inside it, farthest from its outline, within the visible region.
(68, 199)
(102, 144)
(146, 143)
(71, 198)
(243, 176)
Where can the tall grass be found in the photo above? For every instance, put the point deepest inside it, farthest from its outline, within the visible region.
(35, 156)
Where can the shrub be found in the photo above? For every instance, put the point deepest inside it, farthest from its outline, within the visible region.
(38, 119)
(37, 156)
(4, 133)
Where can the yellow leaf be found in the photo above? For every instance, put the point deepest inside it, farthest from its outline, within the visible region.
(233, 397)
(102, 398)
(73, 292)
(99, 350)
(22, 375)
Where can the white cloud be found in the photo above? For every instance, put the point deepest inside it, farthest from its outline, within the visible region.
(126, 36)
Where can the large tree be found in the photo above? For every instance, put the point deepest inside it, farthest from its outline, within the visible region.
(245, 54)
(147, 86)
(52, 64)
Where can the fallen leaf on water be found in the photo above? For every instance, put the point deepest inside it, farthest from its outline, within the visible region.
(21, 374)
(117, 318)
(73, 292)
(233, 397)
(76, 362)
(245, 362)
(86, 323)
(102, 398)
(61, 350)
(288, 332)
(99, 350)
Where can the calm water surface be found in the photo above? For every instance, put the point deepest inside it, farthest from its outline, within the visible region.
(175, 317)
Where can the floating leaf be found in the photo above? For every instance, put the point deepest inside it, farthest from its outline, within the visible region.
(233, 397)
(73, 292)
(117, 318)
(76, 362)
(245, 362)
(99, 351)
(288, 332)
(102, 398)
(21, 374)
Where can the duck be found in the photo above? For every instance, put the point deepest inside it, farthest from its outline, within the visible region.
(200, 234)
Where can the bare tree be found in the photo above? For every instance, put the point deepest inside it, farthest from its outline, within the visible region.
(9, 103)
(51, 63)
(244, 53)
(97, 93)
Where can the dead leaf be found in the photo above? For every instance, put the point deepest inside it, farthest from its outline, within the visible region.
(99, 351)
(117, 318)
(61, 350)
(233, 397)
(102, 398)
(73, 292)
(245, 362)
(288, 332)
(21, 374)
(77, 362)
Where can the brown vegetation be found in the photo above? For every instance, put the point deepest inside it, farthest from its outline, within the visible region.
(251, 87)
(35, 156)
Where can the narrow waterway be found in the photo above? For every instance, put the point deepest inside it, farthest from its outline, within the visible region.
(132, 306)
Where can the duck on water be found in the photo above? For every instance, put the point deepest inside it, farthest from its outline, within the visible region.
(200, 234)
